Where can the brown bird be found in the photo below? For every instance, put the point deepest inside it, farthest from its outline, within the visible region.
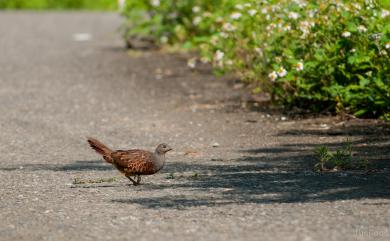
(133, 162)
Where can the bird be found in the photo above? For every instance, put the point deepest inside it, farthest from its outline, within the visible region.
(135, 162)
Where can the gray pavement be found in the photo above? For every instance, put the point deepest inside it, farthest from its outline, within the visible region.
(256, 183)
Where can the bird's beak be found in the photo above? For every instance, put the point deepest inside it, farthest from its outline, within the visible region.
(169, 149)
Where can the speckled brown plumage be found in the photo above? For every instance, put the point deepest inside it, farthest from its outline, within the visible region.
(133, 162)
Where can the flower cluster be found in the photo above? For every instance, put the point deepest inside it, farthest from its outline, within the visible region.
(314, 54)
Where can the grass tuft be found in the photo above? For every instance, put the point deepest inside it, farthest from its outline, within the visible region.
(99, 180)
(341, 159)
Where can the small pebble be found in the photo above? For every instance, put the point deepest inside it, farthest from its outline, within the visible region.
(81, 37)
(215, 144)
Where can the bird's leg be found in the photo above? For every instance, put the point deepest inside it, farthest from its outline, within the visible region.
(132, 180)
(138, 179)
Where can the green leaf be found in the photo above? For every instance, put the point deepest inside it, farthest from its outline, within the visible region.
(360, 112)
(363, 81)
(187, 45)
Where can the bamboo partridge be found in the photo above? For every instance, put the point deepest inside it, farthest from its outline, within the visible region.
(133, 163)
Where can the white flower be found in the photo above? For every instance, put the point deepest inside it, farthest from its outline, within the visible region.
(252, 12)
(275, 8)
(219, 55)
(196, 9)
(352, 50)
(376, 36)
(370, 4)
(155, 3)
(300, 3)
(197, 20)
(357, 6)
(270, 27)
(207, 14)
(312, 13)
(346, 34)
(235, 15)
(362, 28)
(306, 25)
(219, 19)
(239, 6)
(248, 5)
(282, 72)
(385, 13)
(164, 39)
(272, 76)
(228, 27)
(287, 28)
(191, 63)
(264, 11)
(387, 45)
(229, 62)
(121, 4)
(224, 35)
(214, 40)
(259, 51)
(293, 15)
(299, 66)
(383, 52)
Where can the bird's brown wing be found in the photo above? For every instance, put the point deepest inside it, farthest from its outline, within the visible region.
(134, 162)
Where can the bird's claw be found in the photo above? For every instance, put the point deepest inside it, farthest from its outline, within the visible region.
(135, 183)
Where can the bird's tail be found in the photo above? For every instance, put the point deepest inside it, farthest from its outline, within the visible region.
(101, 149)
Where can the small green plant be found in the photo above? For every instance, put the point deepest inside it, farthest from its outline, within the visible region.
(341, 159)
(195, 175)
(88, 181)
(170, 176)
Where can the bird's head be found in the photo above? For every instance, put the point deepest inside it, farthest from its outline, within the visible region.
(163, 148)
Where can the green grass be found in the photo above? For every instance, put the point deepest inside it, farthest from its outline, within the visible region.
(59, 4)
(341, 159)
(89, 181)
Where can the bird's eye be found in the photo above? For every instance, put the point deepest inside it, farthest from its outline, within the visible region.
(164, 146)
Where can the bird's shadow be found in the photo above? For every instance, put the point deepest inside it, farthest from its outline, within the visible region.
(280, 174)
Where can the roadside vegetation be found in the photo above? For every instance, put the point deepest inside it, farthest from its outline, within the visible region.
(340, 160)
(59, 4)
(330, 56)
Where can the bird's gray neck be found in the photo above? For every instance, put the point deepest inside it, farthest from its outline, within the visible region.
(160, 160)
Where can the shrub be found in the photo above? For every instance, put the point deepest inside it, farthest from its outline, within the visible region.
(317, 55)
(187, 22)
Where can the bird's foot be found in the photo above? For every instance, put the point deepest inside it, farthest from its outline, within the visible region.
(135, 183)
(138, 180)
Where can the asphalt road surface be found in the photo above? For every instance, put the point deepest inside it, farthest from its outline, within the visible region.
(235, 174)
